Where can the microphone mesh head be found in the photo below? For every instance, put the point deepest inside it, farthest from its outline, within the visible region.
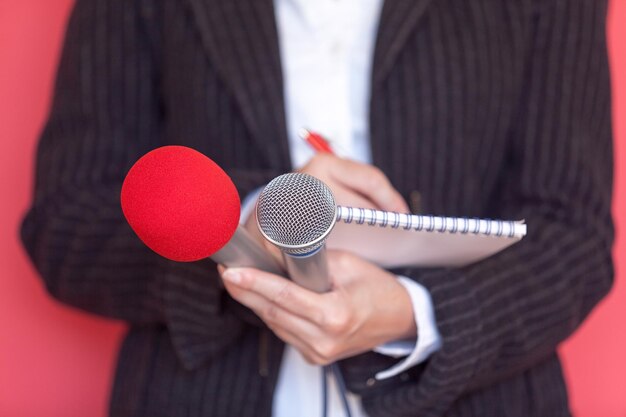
(296, 212)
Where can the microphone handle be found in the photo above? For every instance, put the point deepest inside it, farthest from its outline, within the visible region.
(309, 271)
(243, 251)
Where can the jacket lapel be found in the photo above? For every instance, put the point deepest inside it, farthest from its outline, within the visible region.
(397, 21)
(241, 40)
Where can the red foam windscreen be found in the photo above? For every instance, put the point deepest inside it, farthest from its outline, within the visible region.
(180, 203)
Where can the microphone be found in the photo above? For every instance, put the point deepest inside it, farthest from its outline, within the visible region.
(296, 212)
(184, 207)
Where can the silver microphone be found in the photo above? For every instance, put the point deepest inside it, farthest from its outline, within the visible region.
(296, 213)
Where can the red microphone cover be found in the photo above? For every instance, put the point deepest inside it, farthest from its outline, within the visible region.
(180, 203)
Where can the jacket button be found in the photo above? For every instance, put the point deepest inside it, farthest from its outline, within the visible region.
(404, 377)
(370, 382)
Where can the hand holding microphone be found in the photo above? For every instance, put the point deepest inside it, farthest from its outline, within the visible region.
(343, 305)
(365, 308)
(184, 207)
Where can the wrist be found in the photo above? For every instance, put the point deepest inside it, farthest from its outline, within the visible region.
(407, 328)
(401, 318)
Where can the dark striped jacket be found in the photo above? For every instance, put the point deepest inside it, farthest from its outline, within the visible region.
(485, 108)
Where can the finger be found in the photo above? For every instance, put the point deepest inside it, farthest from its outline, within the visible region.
(335, 322)
(277, 317)
(286, 294)
(370, 182)
(297, 331)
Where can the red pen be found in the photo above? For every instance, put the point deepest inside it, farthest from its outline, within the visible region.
(315, 141)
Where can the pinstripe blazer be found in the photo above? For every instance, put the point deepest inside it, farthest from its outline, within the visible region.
(481, 108)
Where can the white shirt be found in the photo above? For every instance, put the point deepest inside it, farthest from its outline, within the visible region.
(326, 51)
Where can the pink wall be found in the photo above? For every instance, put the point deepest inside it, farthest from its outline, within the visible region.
(55, 361)
(595, 357)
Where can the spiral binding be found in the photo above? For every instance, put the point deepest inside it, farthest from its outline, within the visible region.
(429, 223)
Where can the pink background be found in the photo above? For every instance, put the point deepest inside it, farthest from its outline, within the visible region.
(55, 361)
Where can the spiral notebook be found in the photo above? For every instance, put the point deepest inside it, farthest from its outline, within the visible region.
(398, 240)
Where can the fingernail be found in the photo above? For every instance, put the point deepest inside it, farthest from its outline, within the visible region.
(232, 275)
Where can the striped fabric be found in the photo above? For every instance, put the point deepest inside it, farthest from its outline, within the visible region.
(484, 108)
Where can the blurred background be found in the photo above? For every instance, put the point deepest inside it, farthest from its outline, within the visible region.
(56, 361)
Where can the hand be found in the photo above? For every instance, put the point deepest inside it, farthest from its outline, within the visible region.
(366, 307)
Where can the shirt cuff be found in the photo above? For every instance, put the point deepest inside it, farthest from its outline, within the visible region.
(428, 339)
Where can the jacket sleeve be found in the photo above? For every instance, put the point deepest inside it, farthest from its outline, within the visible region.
(106, 113)
(500, 316)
